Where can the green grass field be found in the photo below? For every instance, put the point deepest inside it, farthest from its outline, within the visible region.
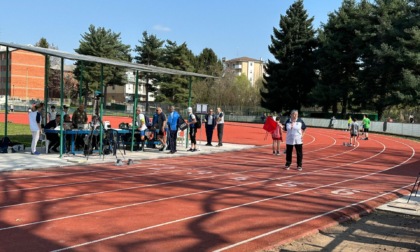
(19, 133)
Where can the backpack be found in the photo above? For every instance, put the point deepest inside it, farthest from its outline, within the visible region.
(147, 121)
(197, 124)
(4, 144)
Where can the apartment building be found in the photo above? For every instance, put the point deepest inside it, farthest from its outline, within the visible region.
(120, 94)
(26, 74)
(253, 69)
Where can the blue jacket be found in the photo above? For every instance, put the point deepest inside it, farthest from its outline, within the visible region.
(173, 120)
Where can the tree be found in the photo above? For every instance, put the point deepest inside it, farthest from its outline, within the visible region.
(150, 52)
(101, 43)
(338, 55)
(53, 63)
(206, 63)
(385, 71)
(289, 80)
(174, 88)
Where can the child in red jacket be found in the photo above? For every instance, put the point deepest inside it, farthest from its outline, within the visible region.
(277, 136)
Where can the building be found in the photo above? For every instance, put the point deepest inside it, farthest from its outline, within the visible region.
(27, 79)
(253, 69)
(121, 94)
(26, 74)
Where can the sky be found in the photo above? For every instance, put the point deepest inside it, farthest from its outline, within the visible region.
(231, 28)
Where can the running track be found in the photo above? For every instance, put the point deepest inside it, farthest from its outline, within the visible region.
(233, 201)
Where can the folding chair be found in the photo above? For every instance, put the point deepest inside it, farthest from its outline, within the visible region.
(44, 141)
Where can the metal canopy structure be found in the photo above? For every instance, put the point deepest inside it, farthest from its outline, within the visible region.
(88, 58)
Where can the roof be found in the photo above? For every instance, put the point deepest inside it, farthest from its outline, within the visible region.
(89, 58)
(243, 59)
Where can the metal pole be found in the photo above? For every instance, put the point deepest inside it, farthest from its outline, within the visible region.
(47, 67)
(101, 100)
(189, 105)
(136, 96)
(7, 90)
(80, 82)
(62, 105)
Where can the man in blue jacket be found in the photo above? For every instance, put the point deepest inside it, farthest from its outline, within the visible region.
(210, 122)
(173, 118)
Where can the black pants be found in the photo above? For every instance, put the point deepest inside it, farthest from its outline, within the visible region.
(299, 154)
(209, 133)
(193, 135)
(172, 143)
(220, 133)
(54, 140)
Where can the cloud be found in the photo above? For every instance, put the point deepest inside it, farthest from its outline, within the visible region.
(161, 28)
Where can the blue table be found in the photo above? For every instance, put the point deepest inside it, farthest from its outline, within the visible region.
(72, 133)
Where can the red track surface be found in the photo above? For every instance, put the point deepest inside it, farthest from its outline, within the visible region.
(232, 201)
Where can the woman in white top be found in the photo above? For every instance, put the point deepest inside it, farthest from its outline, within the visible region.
(35, 127)
(295, 129)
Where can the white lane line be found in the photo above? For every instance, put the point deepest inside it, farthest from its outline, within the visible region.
(303, 221)
(247, 204)
(129, 188)
(82, 195)
(141, 166)
(413, 152)
(116, 178)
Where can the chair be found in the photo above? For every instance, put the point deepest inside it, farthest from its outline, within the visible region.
(180, 138)
(44, 141)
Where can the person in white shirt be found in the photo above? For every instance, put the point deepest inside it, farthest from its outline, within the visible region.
(295, 128)
(220, 124)
(35, 127)
(141, 126)
(52, 113)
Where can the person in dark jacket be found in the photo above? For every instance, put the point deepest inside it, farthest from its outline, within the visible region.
(53, 137)
(210, 123)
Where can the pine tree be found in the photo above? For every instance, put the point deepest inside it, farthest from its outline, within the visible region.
(289, 80)
(383, 59)
(101, 43)
(338, 56)
(206, 63)
(150, 52)
(174, 88)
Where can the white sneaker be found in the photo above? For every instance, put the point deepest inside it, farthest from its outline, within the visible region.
(287, 167)
(299, 168)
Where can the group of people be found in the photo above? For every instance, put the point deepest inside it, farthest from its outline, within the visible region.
(295, 129)
(355, 129)
(167, 127)
(54, 120)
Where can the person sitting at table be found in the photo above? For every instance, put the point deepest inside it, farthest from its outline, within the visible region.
(95, 125)
(79, 117)
(53, 137)
(141, 127)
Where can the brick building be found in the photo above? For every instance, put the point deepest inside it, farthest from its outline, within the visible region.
(26, 76)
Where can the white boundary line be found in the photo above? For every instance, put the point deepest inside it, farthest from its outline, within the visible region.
(255, 202)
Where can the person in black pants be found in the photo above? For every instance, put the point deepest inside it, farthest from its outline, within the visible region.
(53, 137)
(173, 122)
(210, 124)
(220, 124)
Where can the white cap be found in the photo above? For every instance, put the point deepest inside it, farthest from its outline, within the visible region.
(189, 109)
